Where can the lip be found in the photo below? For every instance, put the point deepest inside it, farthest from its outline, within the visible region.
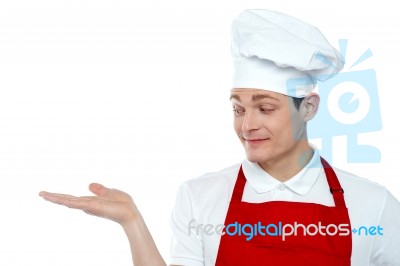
(256, 141)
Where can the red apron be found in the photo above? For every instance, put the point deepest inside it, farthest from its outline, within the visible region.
(264, 248)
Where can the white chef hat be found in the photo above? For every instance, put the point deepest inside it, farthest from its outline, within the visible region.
(280, 53)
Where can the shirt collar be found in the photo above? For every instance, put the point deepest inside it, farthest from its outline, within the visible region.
(301, 183)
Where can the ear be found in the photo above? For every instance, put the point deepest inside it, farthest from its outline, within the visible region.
(310, 105)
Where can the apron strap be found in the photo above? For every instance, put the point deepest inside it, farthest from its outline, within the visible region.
(334, 185)
(239, 186)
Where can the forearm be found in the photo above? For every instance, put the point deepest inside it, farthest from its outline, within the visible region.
(143, 248)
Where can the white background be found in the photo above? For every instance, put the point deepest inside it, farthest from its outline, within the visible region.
(134, 94)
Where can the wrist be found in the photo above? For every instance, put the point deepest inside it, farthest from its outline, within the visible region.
(132, 220)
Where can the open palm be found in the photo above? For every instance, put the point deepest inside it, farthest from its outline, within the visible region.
(112, 204)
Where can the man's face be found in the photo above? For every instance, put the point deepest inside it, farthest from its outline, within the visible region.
(267, 123)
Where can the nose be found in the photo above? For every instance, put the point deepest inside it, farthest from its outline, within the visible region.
(250, 122)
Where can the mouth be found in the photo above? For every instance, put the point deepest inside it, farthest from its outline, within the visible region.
(256, 141)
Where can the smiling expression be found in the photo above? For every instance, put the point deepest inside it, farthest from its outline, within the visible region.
(267, 123)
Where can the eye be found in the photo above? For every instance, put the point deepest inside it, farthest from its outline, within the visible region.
(266, 109)
(238, 111)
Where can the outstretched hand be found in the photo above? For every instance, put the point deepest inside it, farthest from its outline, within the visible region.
(111, 204)
(118, 206)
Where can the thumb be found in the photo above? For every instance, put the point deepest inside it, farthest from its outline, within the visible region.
(98, 189)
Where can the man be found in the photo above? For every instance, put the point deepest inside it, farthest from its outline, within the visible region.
(284, 204)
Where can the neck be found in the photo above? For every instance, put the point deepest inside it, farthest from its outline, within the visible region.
(289, 164)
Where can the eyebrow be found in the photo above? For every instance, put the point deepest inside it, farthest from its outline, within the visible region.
(254, 97)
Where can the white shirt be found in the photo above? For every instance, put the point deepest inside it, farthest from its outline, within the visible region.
(202, 204)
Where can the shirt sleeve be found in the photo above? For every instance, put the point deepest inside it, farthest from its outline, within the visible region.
(385, 248)
(186, 245)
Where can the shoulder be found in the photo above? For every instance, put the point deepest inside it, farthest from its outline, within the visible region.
(363, 197)
(371, 205)
(359, 185)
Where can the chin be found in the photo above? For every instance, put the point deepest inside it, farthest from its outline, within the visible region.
(257, 158)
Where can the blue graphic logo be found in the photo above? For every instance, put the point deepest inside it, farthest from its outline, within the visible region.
(349, 106)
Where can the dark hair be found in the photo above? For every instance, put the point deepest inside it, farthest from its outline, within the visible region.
(297, 102)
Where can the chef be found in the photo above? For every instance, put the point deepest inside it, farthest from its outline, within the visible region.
(283, 180)
(284, 204)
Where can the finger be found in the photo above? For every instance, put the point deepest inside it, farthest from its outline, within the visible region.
(68, 200)
(57, 198)
(98, 189)
(74, 202)
(45, 195)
